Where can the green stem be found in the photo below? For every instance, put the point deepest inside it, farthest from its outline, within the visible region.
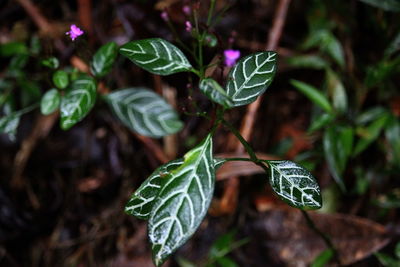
(210, 12)
(323, 236)
(26, 110)
(246, 145)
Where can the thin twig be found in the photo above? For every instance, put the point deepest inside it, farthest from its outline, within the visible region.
(324, 237)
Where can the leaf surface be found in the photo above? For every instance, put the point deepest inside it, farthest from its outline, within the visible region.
(78, 101)
(250, 77)
(215, 92)
(141, 202)
(388, 5)
(183, 202)
(50, 102)
(294, 184)
(60, 79)
(144, 111)
(156, 56)
(104, 59)
(313, 94)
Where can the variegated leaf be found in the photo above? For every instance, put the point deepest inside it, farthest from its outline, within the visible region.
(141, 202)
(104, 59)
(144, 111)
(294, 184)
(250, 77)
(215, 92)
(50, 102)
(78, 101)
(182, 202)
(156, 56)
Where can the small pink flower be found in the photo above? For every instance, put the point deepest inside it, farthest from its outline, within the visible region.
(231, 56)
(74, 32)
(186, 10)
(188, 26)
(164, 16)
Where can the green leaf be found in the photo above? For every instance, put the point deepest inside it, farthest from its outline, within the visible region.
(184, 262)
(13, 48)
(50, 102)
(294, 184)
(387, 5)
(386, 260)
(331, 45)
(336, 91)
(156, 56)
(9, 125)
(392, 134)
(313, 94)
(335, 154)
(370, 115)
(183, 202)
(226, 262)
(144, 111)
(51, 62)
(215, 92)
(307, 61)
(35, 46)
(223, 245)
(78, 101)
(370, 133)
(321, 121)
(60, 79)
(104, 59)
(381, 72)
(141, 202)
(394, 46)
(323, 258)
(250, 77)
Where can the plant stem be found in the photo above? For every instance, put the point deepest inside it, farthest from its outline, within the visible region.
(246, 145)
(210, 12)
(324, 237)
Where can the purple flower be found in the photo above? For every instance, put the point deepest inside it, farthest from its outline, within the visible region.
(186, 10)
(188, 26)
(74, 32)
(231, 56)
(164, 16)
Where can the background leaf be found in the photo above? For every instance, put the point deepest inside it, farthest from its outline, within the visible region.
(294, 184)
(50, 102)
(307, 61)
(337, 91)
(60, 79)
(313, 94)
(250, 77)
(51, 62)
(370, 133)
(215, 92)
(183, 202)
(9, 125)
(156, 56)
(78, 101)
(388, 5)
(337, 142)
(104, 59)
(144, 111)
